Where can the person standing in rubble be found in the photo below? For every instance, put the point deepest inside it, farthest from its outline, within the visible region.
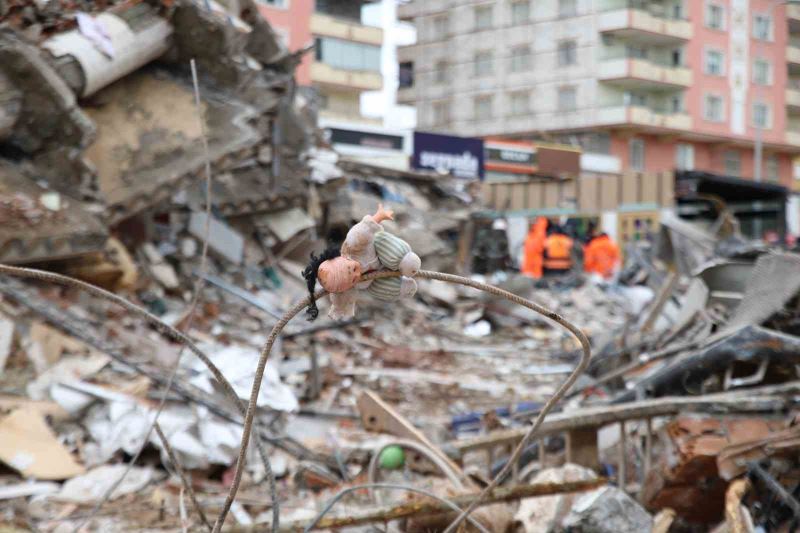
(533, 250)
(557, 259)
(601, 256)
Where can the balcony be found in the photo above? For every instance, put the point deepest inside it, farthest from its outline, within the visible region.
(793, 13)
(635, 73)
(406, 96)
(793, 54)
(328, 26)
(793, 137)
(360, 80)
(639, 25)
(645, 117)
(793, 97)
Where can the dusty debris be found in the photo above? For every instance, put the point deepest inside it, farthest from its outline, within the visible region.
(689, 406)
(607, 510)
(548, 513)
(30, 447)
(91, 486)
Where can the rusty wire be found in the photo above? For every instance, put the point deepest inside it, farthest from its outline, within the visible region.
(187, 485)
(424, 274)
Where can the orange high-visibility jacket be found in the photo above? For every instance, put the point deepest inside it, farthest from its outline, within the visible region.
(533, 249)
(601, 256)
(558, 252)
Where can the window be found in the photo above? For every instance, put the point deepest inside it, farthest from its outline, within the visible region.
(567, 53)
(713, 108)
(762, 72)
(761, 115)
(715, 62)
(483, 107)
(715, 16)
(405, 74)
(348, 55)
(519, 102)
(636, 99)
(441, 113)
(762, 27)
(520, 12)
(483, 17)
(676, 103)
(567, 99)
(676, 57)
(440, 72)
(636, 154)
(483, 63)
(520, 59)
(677, 11)
(684, 157)
(441, 26)
(567, 8)
(636, 52)
(732, 160)
(773, 168)
(282, 4)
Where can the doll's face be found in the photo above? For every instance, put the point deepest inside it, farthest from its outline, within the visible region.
(339, 274)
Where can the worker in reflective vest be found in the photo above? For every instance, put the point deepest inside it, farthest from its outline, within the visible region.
(534, 248)
(601, 256)
(557, 252)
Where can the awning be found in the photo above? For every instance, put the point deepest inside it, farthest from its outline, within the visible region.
(688, 184)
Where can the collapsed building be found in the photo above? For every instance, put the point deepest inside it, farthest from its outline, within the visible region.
(688, 406)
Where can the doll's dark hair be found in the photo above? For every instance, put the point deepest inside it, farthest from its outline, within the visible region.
(310, 275)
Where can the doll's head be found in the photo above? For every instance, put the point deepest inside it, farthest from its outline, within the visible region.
(336, 274)
(339, 274)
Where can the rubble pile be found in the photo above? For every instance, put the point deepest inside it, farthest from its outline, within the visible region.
(686, 419)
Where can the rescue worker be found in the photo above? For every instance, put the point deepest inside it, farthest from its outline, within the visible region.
(534, 248)
(601, 256)
(557, 252)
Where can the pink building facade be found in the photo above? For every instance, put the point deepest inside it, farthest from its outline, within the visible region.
(739, 56)
(291, 20)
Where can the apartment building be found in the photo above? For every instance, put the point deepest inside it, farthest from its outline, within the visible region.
(646, 86)
(345, 61)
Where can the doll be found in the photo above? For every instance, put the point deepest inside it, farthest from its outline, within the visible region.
(367, 247)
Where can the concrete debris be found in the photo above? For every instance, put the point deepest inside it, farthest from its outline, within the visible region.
(30, 447)
(91, 486)
(221, 238)
(688, 409)
(547, 514)
(607, 510)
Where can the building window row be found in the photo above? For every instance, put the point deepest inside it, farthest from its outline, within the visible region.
(715, 62)
(716, 19)
(714, 111)
(348, 55)
(714, 108)
(567, 53)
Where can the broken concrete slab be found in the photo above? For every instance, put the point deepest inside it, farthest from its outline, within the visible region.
(92, 486)
(546, 514)
(285, 224)
(222, 239)
(30, 232)
(30, 447)
(129, 48)
(607, 510)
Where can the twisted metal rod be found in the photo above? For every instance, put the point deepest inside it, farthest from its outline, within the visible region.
(424, 274)
(392, 486)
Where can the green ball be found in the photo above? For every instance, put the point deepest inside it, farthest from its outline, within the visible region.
(392, 457)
